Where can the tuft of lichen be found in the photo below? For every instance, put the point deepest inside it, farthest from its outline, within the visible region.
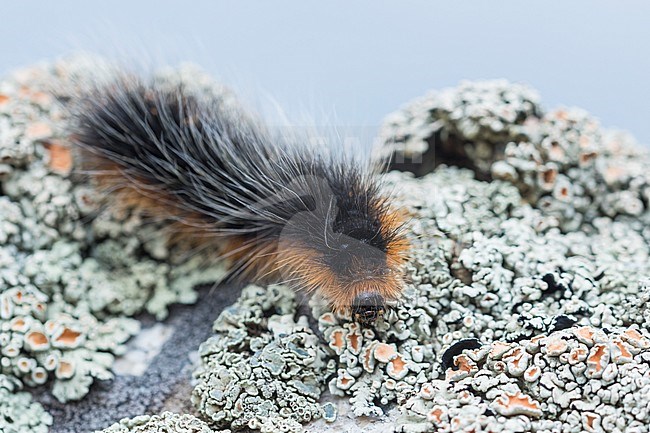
(72, 271)
(578, 379)
(166, 422)
(576, 171)
(468, 126)
(526, 307)
(18, 413)
(493, 263)
(264, 369)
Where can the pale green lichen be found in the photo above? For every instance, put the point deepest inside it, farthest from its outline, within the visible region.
(568, 245)
(558, 236)
(166, 422)
(468, 125)
(264, 369)
(44, 338)
(579, 379)
(18, 413)
(71, 269)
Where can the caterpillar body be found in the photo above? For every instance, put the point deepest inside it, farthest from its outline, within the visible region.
(272, 209)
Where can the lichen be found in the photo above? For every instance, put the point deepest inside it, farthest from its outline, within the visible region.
(492, 262)
(264, 369)
(18, 413)
(525, 308)
(45, 338)
(73, 270)
(578, 379)
(467, 126)
(166, 422)
(576, 171)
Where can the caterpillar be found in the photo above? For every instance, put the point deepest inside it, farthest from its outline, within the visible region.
(274, 210)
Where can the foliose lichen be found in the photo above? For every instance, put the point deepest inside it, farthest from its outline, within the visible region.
(468, 126)
(264, 369)
(18, 413)
(492, 262)
(72, 271)
(578, 379)
(166, 422)
(526, 307)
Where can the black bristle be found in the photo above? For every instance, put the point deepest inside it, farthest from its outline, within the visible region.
(196, 155)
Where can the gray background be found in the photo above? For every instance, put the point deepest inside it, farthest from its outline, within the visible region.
(349, 63)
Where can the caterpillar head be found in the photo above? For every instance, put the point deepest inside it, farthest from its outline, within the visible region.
(367, 307)
(355, 264)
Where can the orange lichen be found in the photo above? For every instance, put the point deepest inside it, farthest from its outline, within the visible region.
(613, 174)
(328, 319)
(597, 359)
(397, 368)
(354, 339)
(500, 366)
(548, 177)
(532, 373)
(623, 354)
(465, 367)
(65, 370)
(498, 349)
(368, 359)
(586, 157)
(60, 157)
(517, 404)
(435, 415)
(588, 420)
(385, 352)
(3, 99)
(464, 397)
(344, 380)
(68, 337)
(635, 338)
(38, 131)
(337, 340)
(556, 346)
(427, 391)
(577, 355)
(514, 357)
(18, 324)
(464, 363)
(585, 334)
(37, 340)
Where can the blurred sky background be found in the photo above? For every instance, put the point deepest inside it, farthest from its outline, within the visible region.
(353, 62)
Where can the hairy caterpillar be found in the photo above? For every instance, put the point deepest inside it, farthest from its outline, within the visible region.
(269, 207)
